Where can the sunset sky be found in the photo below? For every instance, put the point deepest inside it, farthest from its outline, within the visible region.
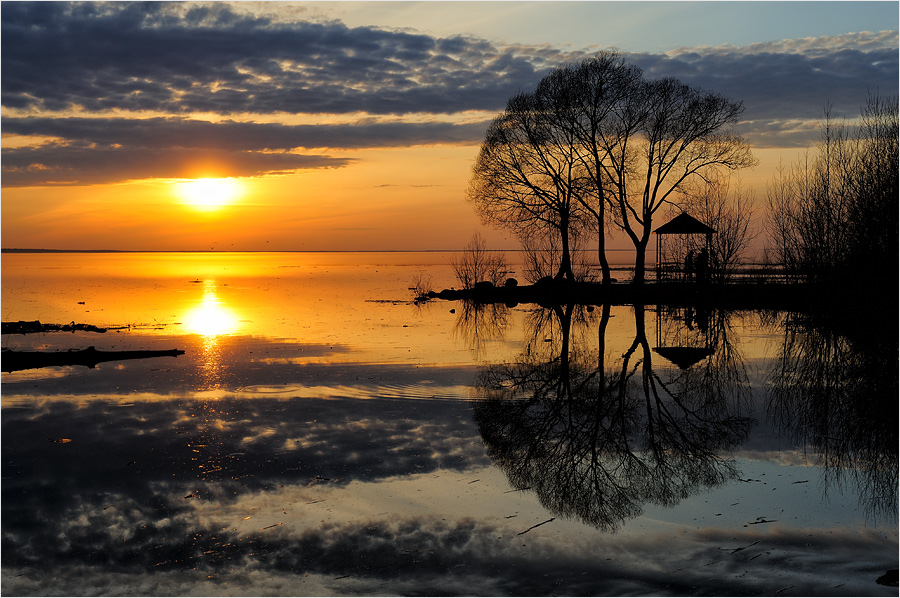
(354, 125)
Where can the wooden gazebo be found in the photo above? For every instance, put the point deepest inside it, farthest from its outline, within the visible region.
(683, 224)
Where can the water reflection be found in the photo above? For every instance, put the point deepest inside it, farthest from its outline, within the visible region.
(598, 440)
(333, 455)
(835, 393)
(211, 320)
(186, 485)
(480, 323)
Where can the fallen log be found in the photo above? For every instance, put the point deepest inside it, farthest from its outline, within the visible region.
(14, 361)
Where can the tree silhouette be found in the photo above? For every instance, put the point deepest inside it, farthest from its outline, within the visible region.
(594, 134)
(833, 216)
(681, 136)
(526, 177)
(732, 211)
(595, 102)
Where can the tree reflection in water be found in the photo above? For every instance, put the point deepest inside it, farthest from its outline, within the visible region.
(480, 323)
(598, 441)
(835, 394)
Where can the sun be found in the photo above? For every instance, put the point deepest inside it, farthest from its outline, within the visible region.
(209, 194)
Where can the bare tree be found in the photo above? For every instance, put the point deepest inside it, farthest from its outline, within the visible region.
(875, 189)
(597, 134)
(681, 137)
(526, 177)
(542, 256)
(596, 101)
(730, 212)
(833, 215)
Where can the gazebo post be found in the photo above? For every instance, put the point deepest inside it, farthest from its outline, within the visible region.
(658, 247)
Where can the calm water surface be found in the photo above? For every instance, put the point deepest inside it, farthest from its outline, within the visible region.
(322, 435)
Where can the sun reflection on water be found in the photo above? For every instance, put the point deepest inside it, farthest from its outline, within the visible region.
(211, 320)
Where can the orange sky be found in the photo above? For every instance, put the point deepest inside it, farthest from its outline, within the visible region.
(351, 136)
(408, 198)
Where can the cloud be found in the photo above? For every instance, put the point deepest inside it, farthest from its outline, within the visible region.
(863, 40)
(174, 133)
(785, 86)
(107, 150)
(161, 57)
(98, 59)
(82, 164)
(171, 59)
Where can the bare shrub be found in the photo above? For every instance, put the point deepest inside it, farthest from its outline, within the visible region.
(476, 264)
(542, 256)
(421, 286)
(833, 215)
(728, 209)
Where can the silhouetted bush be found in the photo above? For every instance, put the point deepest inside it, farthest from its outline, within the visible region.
(833, 217)
(477, 264)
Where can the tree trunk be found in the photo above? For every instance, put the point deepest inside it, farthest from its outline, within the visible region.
(565, 325)
(601, 247)
(565, 265)
(640, 328)
(640, 256)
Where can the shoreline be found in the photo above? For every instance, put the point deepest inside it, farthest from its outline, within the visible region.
(755, 295)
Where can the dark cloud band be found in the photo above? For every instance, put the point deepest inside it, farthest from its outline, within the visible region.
(167, 57)
(104, 150)
(150, 57)
(181, 59)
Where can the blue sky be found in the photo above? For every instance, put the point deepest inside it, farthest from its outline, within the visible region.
(629, 26)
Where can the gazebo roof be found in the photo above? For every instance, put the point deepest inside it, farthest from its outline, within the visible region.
(684, 224)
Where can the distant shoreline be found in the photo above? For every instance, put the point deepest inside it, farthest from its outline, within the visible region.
(18, 250)
(21, 250)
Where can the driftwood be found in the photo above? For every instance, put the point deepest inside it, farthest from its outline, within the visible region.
(22, 327)
(13, 361)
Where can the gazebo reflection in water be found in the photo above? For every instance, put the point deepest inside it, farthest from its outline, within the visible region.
(682, 335)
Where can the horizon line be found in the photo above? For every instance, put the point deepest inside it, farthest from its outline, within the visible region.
(52, 250)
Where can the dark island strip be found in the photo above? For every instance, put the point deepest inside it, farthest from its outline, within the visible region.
(36, 326)
(776, 296)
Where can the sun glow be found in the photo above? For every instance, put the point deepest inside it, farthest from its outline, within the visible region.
(209, 194)
(210, 318)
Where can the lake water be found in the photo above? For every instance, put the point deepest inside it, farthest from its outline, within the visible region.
(323, 435)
